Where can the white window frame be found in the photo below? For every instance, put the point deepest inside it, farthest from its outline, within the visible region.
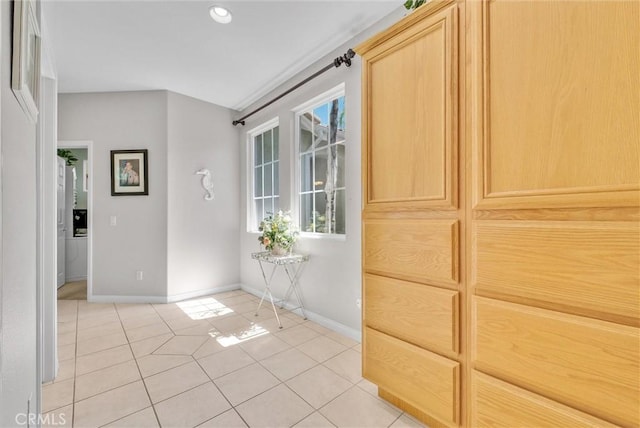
(252, 219)
(325, 97)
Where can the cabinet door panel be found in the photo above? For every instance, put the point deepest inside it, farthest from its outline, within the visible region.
(425, 380)
(588, 364)
(420, 314)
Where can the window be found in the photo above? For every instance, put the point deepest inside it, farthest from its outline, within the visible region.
(321, 164)
(265, 161)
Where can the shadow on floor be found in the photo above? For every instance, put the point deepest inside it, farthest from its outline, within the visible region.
(76, 290)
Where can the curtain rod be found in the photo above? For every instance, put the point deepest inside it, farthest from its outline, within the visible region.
(344, 59)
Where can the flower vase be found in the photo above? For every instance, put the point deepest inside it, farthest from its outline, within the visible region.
(277, 250)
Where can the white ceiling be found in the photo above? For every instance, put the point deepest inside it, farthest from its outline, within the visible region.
(175, 45)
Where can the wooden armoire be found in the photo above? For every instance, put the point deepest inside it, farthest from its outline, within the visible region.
(501, 239)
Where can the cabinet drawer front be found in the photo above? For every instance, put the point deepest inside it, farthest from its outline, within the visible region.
(499, 404)
(589, 267)
(587, 364)
(417, 250)
(423, 315)
(425, 380)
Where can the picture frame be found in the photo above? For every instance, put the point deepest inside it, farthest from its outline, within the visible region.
(129, 173)
(25, 69)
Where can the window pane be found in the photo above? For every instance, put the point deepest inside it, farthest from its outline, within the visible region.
(305, 133)
(306, 212)
(258, 212)
(340, 174)
(268, 180)
(340, 212)
(321, 169)
(268, 147)
(268, 207)
(321, 125)
(306, 172)
(341, 120)
(257, 150)
(321, 220)
(276, 143)
(276, 178)
(257, 189)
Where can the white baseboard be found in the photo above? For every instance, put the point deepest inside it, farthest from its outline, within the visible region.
(198, 293)
(317, 318)
(162, 299)
(75, 278)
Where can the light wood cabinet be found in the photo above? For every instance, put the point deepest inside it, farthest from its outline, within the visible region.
(501, 213)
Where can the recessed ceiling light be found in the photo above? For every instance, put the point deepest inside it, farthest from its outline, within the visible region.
(220, 14)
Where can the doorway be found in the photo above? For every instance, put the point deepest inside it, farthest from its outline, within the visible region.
(78, 215)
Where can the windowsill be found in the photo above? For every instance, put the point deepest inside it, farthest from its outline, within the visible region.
(312, 235)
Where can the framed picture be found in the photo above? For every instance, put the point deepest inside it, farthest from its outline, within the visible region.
(25, 72)
(129, 173)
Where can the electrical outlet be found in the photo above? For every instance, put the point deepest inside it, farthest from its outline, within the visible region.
(139, 275)
(359, 303)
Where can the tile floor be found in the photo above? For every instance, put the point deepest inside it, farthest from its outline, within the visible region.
(207, 362)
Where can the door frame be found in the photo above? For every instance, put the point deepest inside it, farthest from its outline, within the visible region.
(86, 144)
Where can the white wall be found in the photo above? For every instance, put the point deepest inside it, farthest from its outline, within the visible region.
(331, 281)
(114, 121)
(18, 363)
(202, 235)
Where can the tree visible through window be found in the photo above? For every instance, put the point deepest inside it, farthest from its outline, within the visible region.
(266, 182)
(321, 144)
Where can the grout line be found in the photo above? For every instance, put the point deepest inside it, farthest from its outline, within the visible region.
(75, 368)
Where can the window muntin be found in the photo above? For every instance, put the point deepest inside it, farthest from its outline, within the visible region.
(321, 166)
(265, 194)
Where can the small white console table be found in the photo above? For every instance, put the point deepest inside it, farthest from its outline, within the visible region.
(292, 265)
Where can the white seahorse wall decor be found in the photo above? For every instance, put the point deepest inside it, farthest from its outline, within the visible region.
(207, 183)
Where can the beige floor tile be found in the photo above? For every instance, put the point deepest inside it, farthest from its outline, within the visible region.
(67, 316)
(94, 321)
(181, 345)
(134, 310)
(154, 364)
(227, 361)
(185, 321)
(264, 346)
(297, 318)
(244, 384)
(211, 346)
(66, 351)
(111, 405)
(192, 407)
(59, 418)
(358, 348)
(265, 312)
(271, 325)
(234, 323)
(406, 421)
(66, 327)
(245, 307)
(369, 387)
(101, 343)
(145, 418)
(288, 364)
(314, 420)
(357, 408)
(321, 348)
(168, 311)
(141, 321)
(100, 331)
(144, 332)
(317, 327)
(106, 379)
(66, 338)
(318, 386)
(344, 340)
(100, 360)
(200, 328)
(66, 369)
(174, 381)
(278, 407)
(229, 419)
(56, 395)
(297, 335)
(347, 364)
(147, 346)
(227, 294)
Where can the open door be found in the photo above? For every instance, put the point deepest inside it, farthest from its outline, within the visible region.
(60, 221)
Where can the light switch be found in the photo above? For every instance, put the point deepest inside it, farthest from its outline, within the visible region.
(113, 220)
